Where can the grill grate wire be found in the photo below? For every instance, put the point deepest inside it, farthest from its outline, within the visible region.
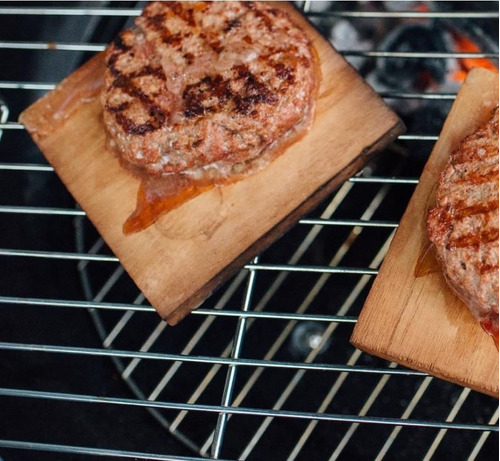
(233, 371)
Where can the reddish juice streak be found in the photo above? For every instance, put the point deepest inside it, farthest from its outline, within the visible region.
(157, 197)
(427, 263)
(491, 327)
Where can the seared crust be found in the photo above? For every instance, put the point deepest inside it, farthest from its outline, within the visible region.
(464, 225)
(197, 86)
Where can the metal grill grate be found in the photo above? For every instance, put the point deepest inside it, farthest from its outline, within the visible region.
(264, 369)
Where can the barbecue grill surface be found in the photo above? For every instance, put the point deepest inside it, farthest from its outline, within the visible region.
(264, 369)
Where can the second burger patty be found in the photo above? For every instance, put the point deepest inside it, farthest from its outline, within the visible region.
(464, 224)
(207, 86)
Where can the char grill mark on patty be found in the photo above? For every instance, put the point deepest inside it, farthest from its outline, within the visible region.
(231, 24)
(208, 95)
(127, 85)
(254, 92)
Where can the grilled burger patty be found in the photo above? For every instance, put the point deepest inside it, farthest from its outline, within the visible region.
(207, 86)
(464, 225)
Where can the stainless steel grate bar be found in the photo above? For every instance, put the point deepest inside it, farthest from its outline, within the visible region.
(52, 46)
(27, 11)
(56, 255)
(76, 450)
(82, 398)
(417, 55)
(417, 137)
(106, 258)
(11, 126)
(26, 166)
(65, 46)
(200, 359)
(73, 304)
(382, 180)
(316, 269)
(41, 211)
(27, 86)
(215, 312)
(405, 14)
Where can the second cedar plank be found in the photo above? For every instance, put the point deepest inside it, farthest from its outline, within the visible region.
(415, 319)
(181, 259)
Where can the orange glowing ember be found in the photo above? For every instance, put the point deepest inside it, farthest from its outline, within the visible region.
(464, 45)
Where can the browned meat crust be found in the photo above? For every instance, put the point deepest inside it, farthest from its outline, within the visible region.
(464, 224)
(207, 86)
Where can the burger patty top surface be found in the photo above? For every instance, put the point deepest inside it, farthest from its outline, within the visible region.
(207, 87)
(464, 224)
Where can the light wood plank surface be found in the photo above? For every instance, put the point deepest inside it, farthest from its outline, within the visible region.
(415, 319)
